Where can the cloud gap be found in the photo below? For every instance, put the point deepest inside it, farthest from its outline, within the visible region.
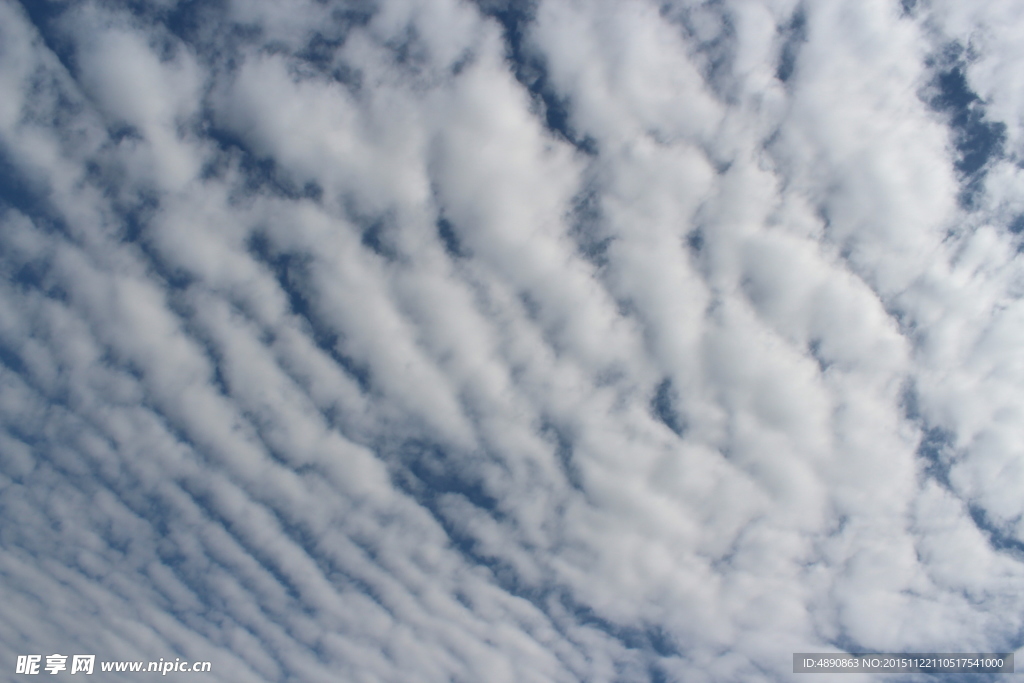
(663, 405)
(978, 142)
(290, 270)
(531, 72)
(793, 36)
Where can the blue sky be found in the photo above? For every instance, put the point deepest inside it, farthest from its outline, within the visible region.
(436, 340)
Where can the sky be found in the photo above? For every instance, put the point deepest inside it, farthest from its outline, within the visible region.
(511, 341)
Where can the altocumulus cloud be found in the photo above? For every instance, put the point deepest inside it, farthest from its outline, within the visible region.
(554, 340)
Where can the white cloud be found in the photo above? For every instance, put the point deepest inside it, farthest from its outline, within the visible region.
(325, 355)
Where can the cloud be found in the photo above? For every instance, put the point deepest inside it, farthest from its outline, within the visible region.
(546, 341)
